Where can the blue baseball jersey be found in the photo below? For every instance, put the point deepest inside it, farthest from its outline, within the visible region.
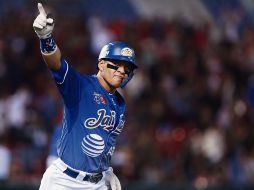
(55, 137)
(93, 119)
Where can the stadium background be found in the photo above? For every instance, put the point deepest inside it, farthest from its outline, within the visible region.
(190, 106)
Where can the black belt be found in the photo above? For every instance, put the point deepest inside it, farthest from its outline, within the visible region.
(93, 178)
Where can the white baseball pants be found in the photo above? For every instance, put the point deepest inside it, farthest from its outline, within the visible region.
(55, 179)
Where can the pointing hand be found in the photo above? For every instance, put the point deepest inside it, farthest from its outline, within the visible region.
(43, 25)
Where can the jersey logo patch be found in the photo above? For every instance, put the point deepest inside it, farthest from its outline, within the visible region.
(92, 145)
(99, 99)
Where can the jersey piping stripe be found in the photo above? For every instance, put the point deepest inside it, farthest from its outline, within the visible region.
(64, 74)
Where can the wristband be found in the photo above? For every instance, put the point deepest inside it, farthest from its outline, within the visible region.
(48, 45)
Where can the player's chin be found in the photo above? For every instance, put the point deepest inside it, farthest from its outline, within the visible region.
(117, 83)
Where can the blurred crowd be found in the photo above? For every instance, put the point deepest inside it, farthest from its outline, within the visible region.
(190, 105)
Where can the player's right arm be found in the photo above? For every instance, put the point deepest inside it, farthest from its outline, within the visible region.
(43, 26)
(66, 78)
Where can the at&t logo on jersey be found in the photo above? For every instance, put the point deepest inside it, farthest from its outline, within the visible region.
(93, 145)
(104, 120)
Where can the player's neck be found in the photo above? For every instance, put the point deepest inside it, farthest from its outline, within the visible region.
(105, 84)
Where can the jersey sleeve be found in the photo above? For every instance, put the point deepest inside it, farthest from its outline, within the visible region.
(68, 82)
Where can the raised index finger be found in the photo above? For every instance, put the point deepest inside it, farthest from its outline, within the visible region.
(41, 9)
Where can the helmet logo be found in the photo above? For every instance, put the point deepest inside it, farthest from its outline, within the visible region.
(127, 52)
(104, 53)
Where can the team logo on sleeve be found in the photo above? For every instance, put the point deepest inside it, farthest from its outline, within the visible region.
(99, 99)
(92, 145)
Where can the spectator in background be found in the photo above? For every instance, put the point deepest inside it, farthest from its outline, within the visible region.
(197, 81)
(99, 33)
(5, 160)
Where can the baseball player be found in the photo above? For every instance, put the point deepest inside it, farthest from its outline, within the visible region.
(93, 113)
(52, 155)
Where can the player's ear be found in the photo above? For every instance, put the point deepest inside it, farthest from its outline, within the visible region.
(101, 65)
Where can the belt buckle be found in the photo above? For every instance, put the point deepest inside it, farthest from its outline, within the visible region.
(94, 178)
